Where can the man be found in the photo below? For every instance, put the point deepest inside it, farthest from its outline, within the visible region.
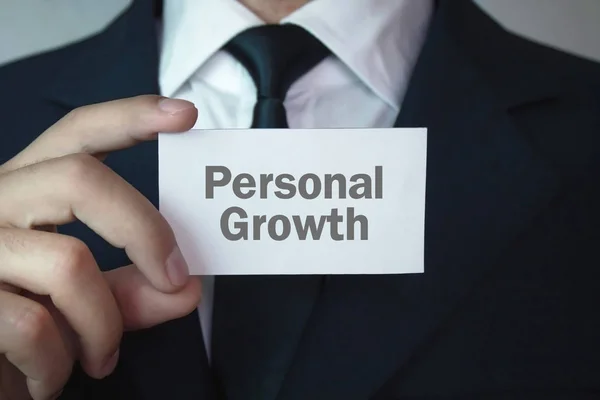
(506, 307)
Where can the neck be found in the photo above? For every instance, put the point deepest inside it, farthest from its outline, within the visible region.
(273, 11)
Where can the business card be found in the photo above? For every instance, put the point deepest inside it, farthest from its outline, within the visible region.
(296, 201)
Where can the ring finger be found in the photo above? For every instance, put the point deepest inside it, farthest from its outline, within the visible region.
(32, 342)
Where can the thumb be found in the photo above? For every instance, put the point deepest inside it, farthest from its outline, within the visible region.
(142, 306)
(101, 128)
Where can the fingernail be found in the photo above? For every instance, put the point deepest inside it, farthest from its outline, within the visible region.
(173, 106)
(110, 365)
(177, 268)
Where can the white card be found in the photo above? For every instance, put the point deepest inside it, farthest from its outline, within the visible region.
(288, 201)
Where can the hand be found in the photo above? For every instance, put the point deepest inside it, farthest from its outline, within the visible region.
(56, 306)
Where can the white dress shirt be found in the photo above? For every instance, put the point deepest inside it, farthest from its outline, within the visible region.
(374, 43)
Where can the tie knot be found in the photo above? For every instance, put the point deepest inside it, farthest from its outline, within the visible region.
(276, 56)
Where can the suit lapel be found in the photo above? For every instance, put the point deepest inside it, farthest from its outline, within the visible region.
(120, 62)
(484, 186)
(168, 361)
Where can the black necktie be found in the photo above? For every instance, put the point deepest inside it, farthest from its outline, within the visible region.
(251, 349)
(275, 56)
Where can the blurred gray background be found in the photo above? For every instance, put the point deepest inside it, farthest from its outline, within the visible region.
(31, 26)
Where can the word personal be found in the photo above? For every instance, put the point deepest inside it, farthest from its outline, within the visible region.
(237, 224)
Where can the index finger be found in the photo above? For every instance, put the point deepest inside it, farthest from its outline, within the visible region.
(60, 190)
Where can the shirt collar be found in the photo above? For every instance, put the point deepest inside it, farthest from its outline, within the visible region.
(192, 31)
(379, 40)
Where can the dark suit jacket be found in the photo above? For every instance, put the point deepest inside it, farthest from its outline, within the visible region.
(508, 304)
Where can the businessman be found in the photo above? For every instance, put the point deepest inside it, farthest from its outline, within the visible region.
(95, 297)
